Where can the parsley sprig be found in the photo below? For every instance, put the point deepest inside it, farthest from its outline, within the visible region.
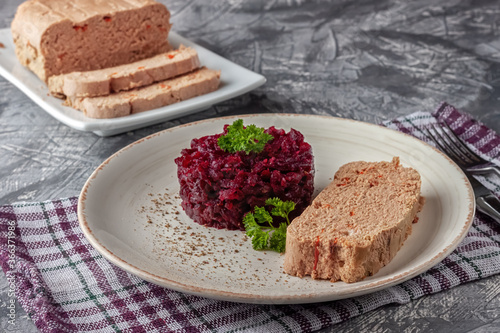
(259, 225)
(240, 138)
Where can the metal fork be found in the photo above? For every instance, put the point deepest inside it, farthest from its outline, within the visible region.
(486, 201)
(458, 151)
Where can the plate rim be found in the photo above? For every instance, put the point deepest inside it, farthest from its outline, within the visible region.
(111, 126)
(270, 299)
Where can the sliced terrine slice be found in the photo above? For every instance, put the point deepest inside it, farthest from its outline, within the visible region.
(102, 82)
(357, 224)
(124, 103)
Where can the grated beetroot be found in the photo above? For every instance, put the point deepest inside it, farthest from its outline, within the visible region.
(218, 188)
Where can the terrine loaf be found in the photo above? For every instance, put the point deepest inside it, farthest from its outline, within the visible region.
(180, 88)
(357, 224)
(61, 36)
(102, 82)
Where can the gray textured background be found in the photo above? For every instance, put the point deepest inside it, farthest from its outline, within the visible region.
(364, 60)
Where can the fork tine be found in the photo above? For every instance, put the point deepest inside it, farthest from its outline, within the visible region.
(448, 142)
(472, 156)
(437, 137)
(444, 138)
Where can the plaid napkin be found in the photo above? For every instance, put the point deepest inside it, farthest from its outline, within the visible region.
(66, 286)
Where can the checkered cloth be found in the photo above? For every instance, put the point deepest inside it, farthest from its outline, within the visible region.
(66, 286)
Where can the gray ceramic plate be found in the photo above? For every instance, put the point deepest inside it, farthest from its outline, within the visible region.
(130, 212)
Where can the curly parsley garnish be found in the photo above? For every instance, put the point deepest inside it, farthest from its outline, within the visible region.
(240, 138)
(259, 225)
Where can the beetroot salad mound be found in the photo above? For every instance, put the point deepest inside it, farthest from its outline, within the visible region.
(218, 188)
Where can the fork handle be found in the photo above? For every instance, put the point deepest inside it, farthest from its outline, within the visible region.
(489, 205)
(485, 169)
